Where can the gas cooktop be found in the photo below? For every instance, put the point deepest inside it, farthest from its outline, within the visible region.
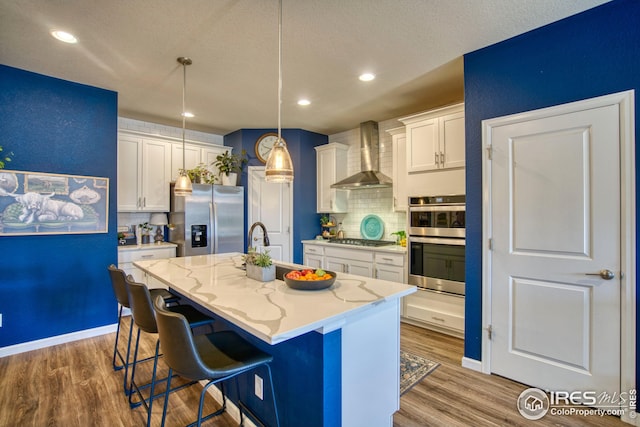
(362, 242)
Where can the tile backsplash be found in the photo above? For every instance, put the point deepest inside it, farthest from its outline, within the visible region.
(378, 201)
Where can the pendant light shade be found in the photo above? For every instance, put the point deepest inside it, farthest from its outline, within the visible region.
(279, 167)
(183, 185)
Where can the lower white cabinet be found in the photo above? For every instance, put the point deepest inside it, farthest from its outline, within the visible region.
(313, 256)
(352, 261)
(128, 255)
(389, 266)
(435, 310)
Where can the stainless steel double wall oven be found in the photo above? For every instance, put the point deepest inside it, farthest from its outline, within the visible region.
(436, 243)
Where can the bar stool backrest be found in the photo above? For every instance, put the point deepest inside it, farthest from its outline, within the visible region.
(141, 305)
(118, 283)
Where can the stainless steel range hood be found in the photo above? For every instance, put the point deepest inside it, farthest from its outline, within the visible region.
(370, 175)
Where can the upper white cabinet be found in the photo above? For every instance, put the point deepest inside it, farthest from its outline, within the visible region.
(194, 155)
(144, 166)
(399, 141)
(435, 139)
(331, 162)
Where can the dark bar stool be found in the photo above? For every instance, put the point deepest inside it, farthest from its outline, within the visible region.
(118, 277)
(214, 357)
(144, 317)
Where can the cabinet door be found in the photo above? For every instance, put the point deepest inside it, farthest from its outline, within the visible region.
(331, 168)
(422, 146)
(361, 268)
(400, 196)
(313, 261)
(129, 173)
(390, 273)
(191, 158)
(337, 265)
(452, 140)
(156, 175)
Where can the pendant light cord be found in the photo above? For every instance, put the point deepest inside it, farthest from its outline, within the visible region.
(279, 70)
(184, 117)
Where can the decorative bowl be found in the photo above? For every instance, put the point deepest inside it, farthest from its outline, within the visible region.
(310, 285)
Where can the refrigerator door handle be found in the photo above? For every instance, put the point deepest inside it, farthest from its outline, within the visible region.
(213, 215)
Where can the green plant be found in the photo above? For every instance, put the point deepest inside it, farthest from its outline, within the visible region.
(401, 234)
(200, 174)
(145, 228)
(256, 258)
(229, 163)
(324, 219)
(4, 158)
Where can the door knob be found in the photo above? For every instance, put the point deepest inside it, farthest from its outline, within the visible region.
(604, 273)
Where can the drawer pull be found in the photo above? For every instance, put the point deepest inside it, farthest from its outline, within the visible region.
(387, 259)
(147, 256)
(439, 319)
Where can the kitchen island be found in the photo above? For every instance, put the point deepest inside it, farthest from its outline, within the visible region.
(336, 351)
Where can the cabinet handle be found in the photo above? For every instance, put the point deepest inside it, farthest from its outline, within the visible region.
(439, 319)
(387, 259)
(147, 256)
(144, 202)
(442, 159)
(436, 158)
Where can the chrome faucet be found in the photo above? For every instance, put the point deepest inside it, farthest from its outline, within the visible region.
(265, 240)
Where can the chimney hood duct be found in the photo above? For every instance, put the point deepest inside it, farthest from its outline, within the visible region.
(369, 176)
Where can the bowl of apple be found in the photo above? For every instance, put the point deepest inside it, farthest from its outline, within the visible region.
(309, 279)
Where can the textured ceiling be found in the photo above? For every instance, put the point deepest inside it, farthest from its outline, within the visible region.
(414, 47)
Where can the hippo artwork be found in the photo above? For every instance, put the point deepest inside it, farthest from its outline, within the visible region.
(52, 204)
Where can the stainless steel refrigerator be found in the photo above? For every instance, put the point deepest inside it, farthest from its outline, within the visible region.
(209, 221)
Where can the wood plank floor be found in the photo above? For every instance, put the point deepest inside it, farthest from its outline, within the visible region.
(74, 385)
(455, 396)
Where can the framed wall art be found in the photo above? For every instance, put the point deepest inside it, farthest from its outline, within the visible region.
(46, 203)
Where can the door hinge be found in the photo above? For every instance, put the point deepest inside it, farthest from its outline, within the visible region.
(490, 152)
(489, 332)
(490, 244)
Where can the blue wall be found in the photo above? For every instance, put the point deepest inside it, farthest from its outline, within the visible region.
(57, 284)
(300, 144)
(590, 54)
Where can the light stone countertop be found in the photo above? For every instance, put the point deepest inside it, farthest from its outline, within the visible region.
(271, 311)
(387, 248)
(146, 246)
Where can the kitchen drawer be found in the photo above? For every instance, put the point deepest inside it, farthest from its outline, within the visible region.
(313, 249)
(145, 254)
(349, 254)
(389, 259)
(444, 311)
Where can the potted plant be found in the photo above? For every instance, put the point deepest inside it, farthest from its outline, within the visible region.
(145, 230)
(230, 165)
(200, 175)
(401, 237)
(260, 266)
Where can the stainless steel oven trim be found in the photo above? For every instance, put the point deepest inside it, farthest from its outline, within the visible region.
(437, 240)
(438, 232)
(432, 283)
(436, 208)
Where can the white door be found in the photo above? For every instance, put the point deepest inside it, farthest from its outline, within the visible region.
(555, 224)
(270, 203)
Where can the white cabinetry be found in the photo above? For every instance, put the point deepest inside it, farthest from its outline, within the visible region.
(127, 256)
(194, 155)
(435, 310)
(143, 174)
(399, 141)
(390, 267)
(313, 256)
(331, 163)
(435, 139)
(350, 261)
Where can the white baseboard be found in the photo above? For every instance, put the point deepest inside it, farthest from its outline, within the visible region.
(59, 339)
(473, 364)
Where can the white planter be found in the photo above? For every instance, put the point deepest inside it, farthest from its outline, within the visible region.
(231, 179)
(262, 274)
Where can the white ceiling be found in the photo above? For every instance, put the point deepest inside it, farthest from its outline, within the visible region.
(130, 46)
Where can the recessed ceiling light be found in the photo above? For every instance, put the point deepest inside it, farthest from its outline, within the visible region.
(304, 102)
(367, 77)
(188, 114)
(63, 36)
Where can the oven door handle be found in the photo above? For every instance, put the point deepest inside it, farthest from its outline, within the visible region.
(433, 208)
(436, 241)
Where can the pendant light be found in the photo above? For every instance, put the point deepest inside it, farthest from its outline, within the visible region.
(279, 167)
(183, 185)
